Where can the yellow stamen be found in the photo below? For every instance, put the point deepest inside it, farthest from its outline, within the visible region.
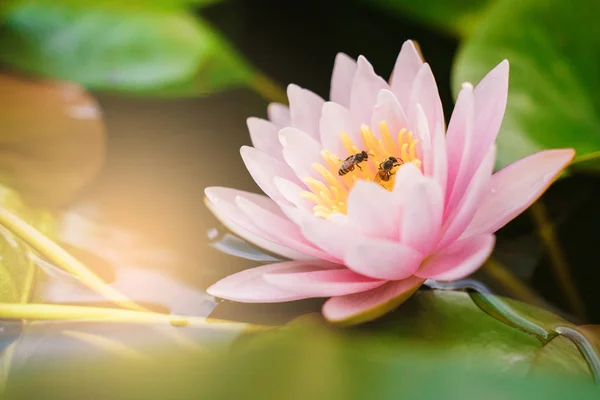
(330, 194)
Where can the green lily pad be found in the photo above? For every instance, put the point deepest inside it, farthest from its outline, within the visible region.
(446, 322)
(132, 47)
(301, 361)
(554, 91)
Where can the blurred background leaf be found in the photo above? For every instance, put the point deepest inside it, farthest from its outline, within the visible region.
(554, 92)
(457, 18)
(133, 47)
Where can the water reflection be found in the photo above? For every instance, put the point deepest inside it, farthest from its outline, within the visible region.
(233, 245)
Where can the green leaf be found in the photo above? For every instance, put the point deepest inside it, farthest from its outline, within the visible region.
(119, 46)
(554, 93)
(452, 324)
(302, 361)
(457, 18)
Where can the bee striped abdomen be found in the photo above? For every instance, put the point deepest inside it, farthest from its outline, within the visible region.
(352, 161)
(344, 169)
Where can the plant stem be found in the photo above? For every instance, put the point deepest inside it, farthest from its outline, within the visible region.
(55, 312)
(501, 274)
(268, 89)
(558, 262)
(60, 257)
(586, 349)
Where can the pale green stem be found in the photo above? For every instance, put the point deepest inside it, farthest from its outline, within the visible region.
(55, 312)
(586, 349)
(60, 257)
(558, 262)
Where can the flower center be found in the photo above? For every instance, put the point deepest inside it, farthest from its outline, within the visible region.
(385, 156)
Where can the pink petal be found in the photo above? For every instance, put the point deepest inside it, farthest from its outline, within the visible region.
(424, 92)
(300, 151)
(305, 109)
(264, 169)
(279, 114)
(516, 187)
(367, 306)
(407, 66)
(291, 192)
(459, 260)
(248, 286)
(388, 109)
(424, 135)
(373, 210)
(221, 201)
(463, 214)
(365, 88)
(264, 137)
(344, 69)
(421, 220)
(458, 145)
(224, 198)
(336, 119)
(440, 161)
(382, 259)
(279, 229)
(405, 177)
(322, 283)
(295, 214)
(490, 103)
(333, 237)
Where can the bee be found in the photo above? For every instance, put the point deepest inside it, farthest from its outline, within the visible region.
(385, 168)
(353, 161)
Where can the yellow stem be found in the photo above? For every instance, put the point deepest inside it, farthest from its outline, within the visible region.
(268, 89)
(55, 312)
(503, 276)
(60, 257)
(558, 261)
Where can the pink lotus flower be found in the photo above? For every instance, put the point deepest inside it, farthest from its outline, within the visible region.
(368, 239)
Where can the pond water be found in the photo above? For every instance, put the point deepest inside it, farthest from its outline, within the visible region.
(142, 226)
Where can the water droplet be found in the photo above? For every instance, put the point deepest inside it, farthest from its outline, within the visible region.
(493, 190)
(212, 233)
